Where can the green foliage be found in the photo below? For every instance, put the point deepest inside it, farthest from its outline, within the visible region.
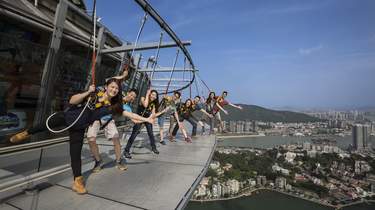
(252, 112)
(245, 164)
(310, 186)
(211, 172)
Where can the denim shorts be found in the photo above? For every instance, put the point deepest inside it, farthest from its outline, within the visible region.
(161, 120)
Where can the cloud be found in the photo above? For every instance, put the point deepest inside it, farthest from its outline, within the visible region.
(308, 51)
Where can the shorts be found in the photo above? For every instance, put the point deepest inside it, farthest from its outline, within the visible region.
(161, 120)
(110, 131)
(218, 116)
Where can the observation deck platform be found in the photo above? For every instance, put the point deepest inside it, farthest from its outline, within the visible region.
(164, 181)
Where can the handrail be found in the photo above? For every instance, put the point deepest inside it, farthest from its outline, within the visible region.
(40, 144)
(186, 198)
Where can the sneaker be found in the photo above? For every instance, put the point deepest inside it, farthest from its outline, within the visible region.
(163, 143)
(154, 150)
(19, 137)
(127, 155)
(171, 138)
(121, 166)
(188, 139)
(98, 166)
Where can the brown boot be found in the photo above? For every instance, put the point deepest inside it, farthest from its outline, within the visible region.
(79, 186)
(19, 137)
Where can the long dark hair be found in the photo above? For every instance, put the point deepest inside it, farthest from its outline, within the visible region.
(156, 101)
(191, 103)
(116, 101)
(208, 101)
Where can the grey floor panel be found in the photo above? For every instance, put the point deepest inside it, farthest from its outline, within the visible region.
(151, 181)
(57, 197)
(5, 206)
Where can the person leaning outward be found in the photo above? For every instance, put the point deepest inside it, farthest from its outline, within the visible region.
(219, 105)
(184, 113)
(198, 106)
(169, 105)
(147, 107)
(89, 115)
(173, 120)
(110, 132)
(210, 103)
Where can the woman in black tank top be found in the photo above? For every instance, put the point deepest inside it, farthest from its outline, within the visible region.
(149, 104)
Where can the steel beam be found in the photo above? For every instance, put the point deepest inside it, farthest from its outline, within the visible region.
(167, 70)
(158, 85)
(142, 46)
(172, 80)
(49, 69)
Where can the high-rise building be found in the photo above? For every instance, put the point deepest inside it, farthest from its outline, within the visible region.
(240, 127)
(360, 135)
(247, 126)
(232, 126)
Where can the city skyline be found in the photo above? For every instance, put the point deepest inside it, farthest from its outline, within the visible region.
(301, 54)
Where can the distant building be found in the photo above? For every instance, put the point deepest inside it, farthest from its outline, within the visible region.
(307, 146)
(248, 126)
(280, 182)
(240, 126)
(371, 180)
(225, 125)
(361, 136)
(232, 126)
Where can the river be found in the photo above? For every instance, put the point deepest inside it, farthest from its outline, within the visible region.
(268, 200)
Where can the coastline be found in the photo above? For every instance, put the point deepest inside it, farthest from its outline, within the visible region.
(250, 193)
(239, 136)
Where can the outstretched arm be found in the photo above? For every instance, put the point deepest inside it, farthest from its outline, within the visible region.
(162, 112)
(222, 109)
(123, 75)
(138, 118)
(78, 98)
(235, 106)
(206, 113)
(146, 100)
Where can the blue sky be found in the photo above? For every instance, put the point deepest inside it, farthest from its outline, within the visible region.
(270, 53)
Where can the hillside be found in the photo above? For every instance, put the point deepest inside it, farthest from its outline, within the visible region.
(252, 112)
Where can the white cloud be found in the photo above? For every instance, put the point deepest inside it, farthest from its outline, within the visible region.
(308, 51)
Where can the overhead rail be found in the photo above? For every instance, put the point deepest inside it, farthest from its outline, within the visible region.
(163, 24)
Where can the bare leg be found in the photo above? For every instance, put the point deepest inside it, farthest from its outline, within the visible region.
(117, 146)
(94, 148)
(161, 134)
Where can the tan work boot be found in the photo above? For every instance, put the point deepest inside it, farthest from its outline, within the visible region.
(19, 137)
(79, 186)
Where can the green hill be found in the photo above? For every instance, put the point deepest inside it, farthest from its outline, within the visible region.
(252, 112)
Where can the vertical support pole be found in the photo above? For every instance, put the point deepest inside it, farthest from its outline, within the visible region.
(157, 56)
(174, 66)
(137, 61)
(49, 69)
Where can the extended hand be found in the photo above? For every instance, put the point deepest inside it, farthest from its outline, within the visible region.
(151, 119)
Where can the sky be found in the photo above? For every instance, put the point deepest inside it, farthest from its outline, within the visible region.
(272, 53)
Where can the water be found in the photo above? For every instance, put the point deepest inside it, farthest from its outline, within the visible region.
(268, 200)
(264, 142)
